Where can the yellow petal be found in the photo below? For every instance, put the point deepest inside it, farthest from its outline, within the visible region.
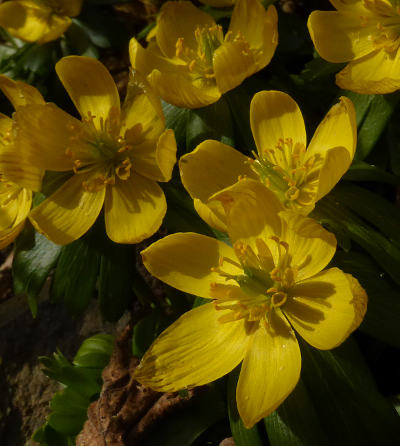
(69, 212)
(15, 205)
(218, 3)
(7, 236)
(32, 22)
(335, 141)
(270, 370)
(156, 159)
(180, 19)
(252, 211)
(340, 37)
(19, 93)
(233, 63)
(90, 86)
(18, 169)
(310, 245)
(184, 261)
(274, 116)
(44, 134)
(211, 167)
(194, 350)
(321, 309)
(377, 73)
(179, 89)
(70, 8)
(360, 300)
(213, 213)
(258, 26)
(134, 209)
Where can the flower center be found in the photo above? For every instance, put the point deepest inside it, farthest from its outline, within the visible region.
(200, 60)
(287, 171)
(101, 152)
(386, 19)
(261, 288)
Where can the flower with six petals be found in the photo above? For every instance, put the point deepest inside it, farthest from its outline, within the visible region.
(365, 33)
(298, 176)
(270, 282)
(113, 157)
(191, 63)
(38, 21)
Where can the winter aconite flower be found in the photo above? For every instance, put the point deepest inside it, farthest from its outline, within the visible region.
(270, 283)
(365, 33)
(299, 176)
(38, 21)
(192, 63)
(17, 177)
(114, 157)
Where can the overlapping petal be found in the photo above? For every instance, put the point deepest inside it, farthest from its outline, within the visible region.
(69, 212)
(90, 86)
(193, 351)
(134, 209)
(270, 370)
(184, 261)
(19, 93)
(321, 309)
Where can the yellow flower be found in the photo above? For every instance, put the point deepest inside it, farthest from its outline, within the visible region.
(192, 63)
(299, 177)
(271, 282)
(17, 177)
(38, 21)
(114, 157)
(218, 3)
(365, 33)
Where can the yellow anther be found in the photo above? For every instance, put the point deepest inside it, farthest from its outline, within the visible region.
(272, 290)
(179, 46)
(292, 193)
(191, 65)
(278, 299)
(275, 275)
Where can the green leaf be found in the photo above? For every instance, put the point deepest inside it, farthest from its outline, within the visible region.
(116, 279)
(362, 171)
(382, 317)
(34, 258)
(241, 435)
(350, 409)
(339, 219)
(79, 259)
(95, 351)
(296, 422)
(188, 424)
(69, 411)
(379, 110)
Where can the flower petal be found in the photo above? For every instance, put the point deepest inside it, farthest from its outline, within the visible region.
(7, 236)
(30, 22)
(252, 211)
(156, 159)
(360, 300)
(44, 133)
(233, 63)
(178, 89)
(193, 351)
(321, 309)
(15, 205)
(311, 247)
(270, 370)
(213, 213)
(184, 261)
(19, 93)
(274, 116)
(377, 73)
(134, 209)
(340, 37)
(69, 212)
(180, 19)
(90, 86)
(258, 26)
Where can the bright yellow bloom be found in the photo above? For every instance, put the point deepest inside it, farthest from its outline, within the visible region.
(192, 63)
(298, 176)
(218, 3)
(38, 21)
(17, 177)
(365, 33)
(115, 157)
(271, 282)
